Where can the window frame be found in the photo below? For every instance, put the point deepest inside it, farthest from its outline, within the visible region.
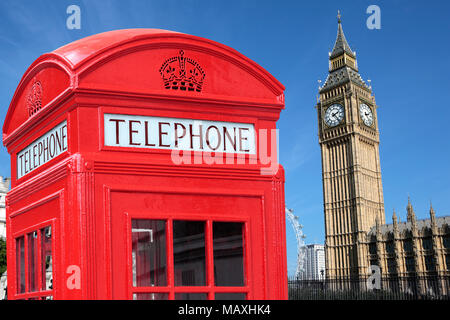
(209, 288)
(39, 293)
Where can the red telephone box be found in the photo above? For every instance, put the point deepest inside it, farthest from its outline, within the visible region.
(144, 167)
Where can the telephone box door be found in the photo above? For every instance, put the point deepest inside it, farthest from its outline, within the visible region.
(184, 244)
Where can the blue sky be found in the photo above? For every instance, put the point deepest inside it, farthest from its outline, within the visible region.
(407, 61)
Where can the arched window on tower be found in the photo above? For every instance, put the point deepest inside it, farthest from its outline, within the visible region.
(390, 247)
(408, 249)
(446, 242)
(427, 243)
(373, 245)
(410, 264)
(407, 241)
(446, 239)
(429, 263)
(392, 266)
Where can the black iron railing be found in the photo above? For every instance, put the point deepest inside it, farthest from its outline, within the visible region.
(365, 288)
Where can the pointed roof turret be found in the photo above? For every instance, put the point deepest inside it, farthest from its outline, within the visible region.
(343, 64)
(432, 214)
(409, 211)
(394, 217)
(395, 225)
(378, 228)
(341, 44)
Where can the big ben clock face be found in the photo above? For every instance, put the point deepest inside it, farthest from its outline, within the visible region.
(366, 114)
(334, 115)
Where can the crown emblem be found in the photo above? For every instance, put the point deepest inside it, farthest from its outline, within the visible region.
(181, 73)
(34, 98)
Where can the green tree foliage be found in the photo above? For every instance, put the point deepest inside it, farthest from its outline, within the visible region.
(2, 256)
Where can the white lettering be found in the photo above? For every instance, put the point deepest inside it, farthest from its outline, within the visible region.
(42, 150)
(179, 134)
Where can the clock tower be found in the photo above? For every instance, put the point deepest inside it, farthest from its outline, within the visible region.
(351, 175)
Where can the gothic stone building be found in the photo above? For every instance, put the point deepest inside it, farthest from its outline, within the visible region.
(414, 247)
(356, 234)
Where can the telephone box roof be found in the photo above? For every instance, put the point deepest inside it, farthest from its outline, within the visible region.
(67, 67)
(81, 50)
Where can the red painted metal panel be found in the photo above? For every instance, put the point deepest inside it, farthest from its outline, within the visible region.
(91, 192)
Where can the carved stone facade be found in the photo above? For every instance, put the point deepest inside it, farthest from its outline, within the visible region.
(356, 234)
(411, 248)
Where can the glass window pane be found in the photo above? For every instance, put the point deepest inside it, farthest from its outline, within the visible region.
(189, 253)
(150, 296)
(46, 258)
(228, 254)
(20, 264)
(230, 296)
(149, 252)
(32, 261)
(191, 296)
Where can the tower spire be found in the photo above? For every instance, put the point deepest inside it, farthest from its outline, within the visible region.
(432, 213)
(395, 224)
(410, 211)
(341, 45)
(343, 67)
(433, 219)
